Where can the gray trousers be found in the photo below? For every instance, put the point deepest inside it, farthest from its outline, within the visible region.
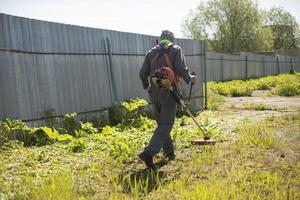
(164, 106)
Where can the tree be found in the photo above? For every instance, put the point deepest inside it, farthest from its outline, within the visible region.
(284, 27)
(229, 26)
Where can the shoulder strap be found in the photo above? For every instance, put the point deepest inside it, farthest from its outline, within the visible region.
(167, 60)
(166, 55)
(169, 64)
(154, 58)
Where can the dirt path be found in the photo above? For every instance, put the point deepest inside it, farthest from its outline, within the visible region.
(234, 108)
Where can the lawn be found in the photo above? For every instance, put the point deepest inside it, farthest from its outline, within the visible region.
(256, 124)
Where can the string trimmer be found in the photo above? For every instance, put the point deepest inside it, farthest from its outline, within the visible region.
(206, 140)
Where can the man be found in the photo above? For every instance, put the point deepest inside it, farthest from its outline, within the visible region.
(164, 54)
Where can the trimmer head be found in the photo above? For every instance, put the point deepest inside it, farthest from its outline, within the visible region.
(204, 141)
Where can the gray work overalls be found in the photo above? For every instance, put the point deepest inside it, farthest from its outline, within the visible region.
(163, 102)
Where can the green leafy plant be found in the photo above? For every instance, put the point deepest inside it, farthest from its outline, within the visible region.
(88, 128)
(45, 135)
(260, 106)
(287, 89)
(100, 120)
(77, 145)
(15, 130)
(70, 124)
(128, 114)
(283, 85)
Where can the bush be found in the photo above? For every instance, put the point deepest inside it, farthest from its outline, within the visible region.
(15, 130)
(127, 112)
(283, 85)
(70, 124)
(77, 145)
(287, 89)
(235, 88)
(18, 130)
(45, 135)
(88, 128)
(100, 120)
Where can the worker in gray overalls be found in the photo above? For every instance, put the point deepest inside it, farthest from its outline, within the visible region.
(164, 104)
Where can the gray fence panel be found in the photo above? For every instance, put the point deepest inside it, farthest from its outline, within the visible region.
(236, 66)
(195, 64)
(64, 67)
(297, 64)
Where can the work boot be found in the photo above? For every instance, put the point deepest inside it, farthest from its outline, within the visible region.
(148, 160)
(171, 156)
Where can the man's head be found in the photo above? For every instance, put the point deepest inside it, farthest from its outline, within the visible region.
(167, 35)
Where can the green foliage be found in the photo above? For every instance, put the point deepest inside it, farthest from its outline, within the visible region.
(283, 85)
(45, 135)
(229, 26)
(88, 128)
(129, 113)
(58, 186)
(256, 136)
(100, 120)
(214, 100)
(284, 27)
(77, 145)
(122, 143)
(70, 124)
(134, 104)
(234, 88)
(15, 130)
(260, 106)
(249, 165)
(287, 89)
(18, 130)
(51, 120)
(182, 135)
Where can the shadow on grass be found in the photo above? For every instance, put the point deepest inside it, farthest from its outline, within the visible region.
(143, 181)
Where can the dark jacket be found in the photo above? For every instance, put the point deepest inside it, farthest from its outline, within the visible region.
(176, 57)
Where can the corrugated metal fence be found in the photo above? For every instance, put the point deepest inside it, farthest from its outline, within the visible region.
(45, 65)
(221, 67)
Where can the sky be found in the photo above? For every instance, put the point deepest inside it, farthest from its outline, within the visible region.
(139, 16)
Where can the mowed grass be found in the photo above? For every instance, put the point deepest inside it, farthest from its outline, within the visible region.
(256, 164)
(252, 161)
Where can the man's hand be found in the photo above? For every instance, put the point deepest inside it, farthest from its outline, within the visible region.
(193, 78)
(148, 88)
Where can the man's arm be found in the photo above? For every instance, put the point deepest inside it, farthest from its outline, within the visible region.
(145, 72)
(181, 68)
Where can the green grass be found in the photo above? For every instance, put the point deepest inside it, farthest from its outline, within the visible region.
(282, 85)
(253, 161)
(259, 106)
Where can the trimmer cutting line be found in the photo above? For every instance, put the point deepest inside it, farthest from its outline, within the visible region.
(206, 140)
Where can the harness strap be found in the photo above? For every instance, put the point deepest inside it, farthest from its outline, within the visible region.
(167, 60)
(169, 64)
